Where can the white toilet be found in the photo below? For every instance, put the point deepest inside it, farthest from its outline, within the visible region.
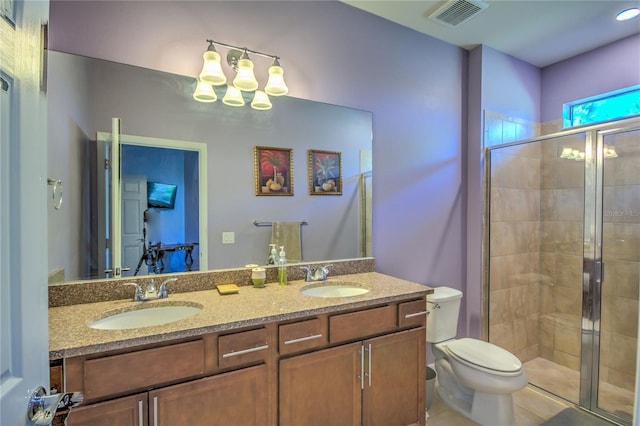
(475, 377)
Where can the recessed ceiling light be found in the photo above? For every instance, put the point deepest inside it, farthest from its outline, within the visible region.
(627, 14)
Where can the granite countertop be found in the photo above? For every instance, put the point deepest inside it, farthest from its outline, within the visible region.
(70, 335)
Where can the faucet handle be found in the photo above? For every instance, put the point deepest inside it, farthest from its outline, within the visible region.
(137, 297)
(307, 269)
(163, 293)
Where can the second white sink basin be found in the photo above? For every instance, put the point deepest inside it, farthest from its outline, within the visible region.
(334, 289)
(143, 316)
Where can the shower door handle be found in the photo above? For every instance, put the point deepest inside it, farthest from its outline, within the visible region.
(598, 271)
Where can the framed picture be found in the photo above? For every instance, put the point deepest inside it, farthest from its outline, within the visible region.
(325, 172)
(273, 168)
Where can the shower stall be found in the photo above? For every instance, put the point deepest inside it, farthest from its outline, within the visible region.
(562, 261)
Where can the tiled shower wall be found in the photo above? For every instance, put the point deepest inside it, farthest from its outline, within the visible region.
(561, 251)
(514, 236)
(514, 249)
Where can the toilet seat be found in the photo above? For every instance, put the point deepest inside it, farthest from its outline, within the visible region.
(484, 356)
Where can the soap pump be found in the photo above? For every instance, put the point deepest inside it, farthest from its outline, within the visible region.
(273, 256)
(282, 267)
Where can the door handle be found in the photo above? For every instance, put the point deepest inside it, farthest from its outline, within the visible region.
(41, 408)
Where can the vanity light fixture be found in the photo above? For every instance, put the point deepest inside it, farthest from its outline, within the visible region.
(575, 154)
(245, 80)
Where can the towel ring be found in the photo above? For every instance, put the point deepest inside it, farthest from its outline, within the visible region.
(56, 192)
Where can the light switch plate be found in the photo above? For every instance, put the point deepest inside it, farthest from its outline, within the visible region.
(228, 238)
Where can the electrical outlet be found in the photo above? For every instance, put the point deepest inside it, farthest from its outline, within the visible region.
(228, 238)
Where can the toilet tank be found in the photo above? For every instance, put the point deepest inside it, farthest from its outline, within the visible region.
(443, 306)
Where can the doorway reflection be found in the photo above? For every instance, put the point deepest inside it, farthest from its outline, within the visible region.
(164, 235)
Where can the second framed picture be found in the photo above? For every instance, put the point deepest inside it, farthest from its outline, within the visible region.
(273, 169)
(325, 172)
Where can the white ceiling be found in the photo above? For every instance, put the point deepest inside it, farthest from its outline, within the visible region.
(540, 32)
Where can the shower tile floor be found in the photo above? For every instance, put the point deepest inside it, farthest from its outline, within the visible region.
(545, 374)
(533, 406)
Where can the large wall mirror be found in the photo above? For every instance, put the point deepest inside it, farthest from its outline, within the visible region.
(85, 94)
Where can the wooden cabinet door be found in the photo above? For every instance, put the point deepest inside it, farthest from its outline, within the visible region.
(125, 411)
(394, 389)
(238, 398)
(322, 388)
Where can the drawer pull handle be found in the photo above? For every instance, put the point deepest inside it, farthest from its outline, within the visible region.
(416, 314)
(245, 351)
(155, 411)
(303, 339)
(140, 414)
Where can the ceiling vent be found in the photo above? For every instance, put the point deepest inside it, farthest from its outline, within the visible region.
(455, 12)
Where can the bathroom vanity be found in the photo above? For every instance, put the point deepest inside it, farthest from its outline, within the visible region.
(263, 356)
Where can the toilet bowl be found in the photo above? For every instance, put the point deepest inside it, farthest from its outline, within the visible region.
(475, 377)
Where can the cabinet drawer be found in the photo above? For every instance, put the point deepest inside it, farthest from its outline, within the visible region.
(302, 335)
(142, 369)
(241, 348)
(356, 325)
(412, 313)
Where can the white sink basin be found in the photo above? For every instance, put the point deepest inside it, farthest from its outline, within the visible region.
(143, 316)
(334, 289)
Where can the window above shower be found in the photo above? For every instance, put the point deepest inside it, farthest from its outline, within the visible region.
(603, 107)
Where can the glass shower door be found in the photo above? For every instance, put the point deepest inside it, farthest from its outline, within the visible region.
(563, 262)
(619, 244)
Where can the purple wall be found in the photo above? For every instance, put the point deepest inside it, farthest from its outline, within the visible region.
(425, 96)
(510, 86)
(506, 85)
(334, 53)
(602, 70)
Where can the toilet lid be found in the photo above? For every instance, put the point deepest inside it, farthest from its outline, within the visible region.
(485, 355)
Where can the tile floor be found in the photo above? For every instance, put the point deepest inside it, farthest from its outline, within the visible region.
(611, 398)
(532, 405)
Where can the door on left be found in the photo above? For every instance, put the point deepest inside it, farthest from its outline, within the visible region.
(23, 207)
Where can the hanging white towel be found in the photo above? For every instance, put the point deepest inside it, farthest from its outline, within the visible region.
(287, 234)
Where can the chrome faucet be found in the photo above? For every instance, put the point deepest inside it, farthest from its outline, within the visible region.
(151, 292)
(163, 293)
(320, 274)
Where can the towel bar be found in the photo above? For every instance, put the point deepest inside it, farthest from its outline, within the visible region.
(256, 223)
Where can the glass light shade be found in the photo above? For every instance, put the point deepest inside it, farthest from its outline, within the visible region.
(567, 153)
(204, 92)
(211, 70)
(261, 101)
(245, 80)
(610, 151)
(627, 14)
(276, 85)
(233, 97)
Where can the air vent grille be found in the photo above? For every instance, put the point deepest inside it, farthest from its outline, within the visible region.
(455, 12)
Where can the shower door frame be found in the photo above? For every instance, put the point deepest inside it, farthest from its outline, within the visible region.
(593, 267)
(593, 264)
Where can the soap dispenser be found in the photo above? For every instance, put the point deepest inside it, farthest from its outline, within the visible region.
(273, 256)
(282, 267)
